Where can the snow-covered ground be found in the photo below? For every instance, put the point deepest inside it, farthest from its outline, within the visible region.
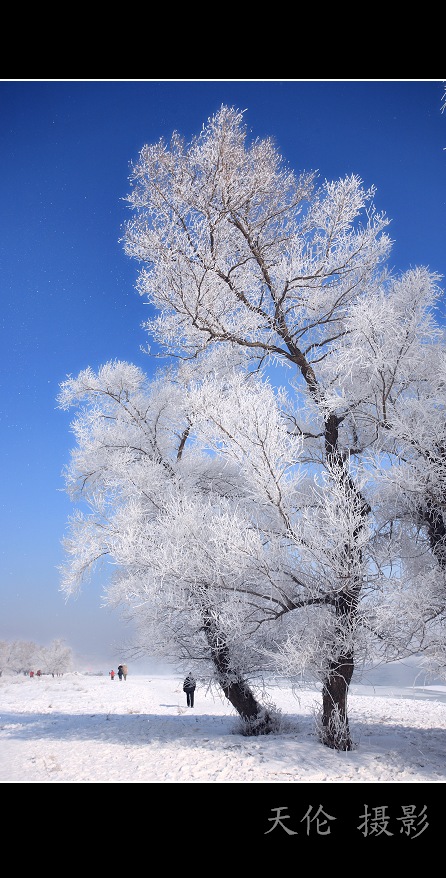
(88, 729)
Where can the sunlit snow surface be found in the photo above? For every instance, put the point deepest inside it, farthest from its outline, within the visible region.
(88, 729)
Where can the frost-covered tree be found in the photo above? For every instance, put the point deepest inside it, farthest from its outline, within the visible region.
(55, 659)
(21, 658)
(221, 539)
(232, 559)
(238, 253)
(153, 498)
(412, 491)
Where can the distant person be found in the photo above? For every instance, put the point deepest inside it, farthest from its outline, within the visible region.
(120, 672)
(124, 671)
(112, 675)
(189, 688)
(31, 673)
(39, 673)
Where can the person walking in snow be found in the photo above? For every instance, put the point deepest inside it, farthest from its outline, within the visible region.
(189, 688)
(120, 672)
(112, 675)
(124, 671)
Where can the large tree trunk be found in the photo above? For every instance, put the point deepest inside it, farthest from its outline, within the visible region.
(335, 732)
(257, 720)
(432, 515)
(335, 727)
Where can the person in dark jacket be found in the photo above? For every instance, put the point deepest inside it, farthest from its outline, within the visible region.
(189, 688)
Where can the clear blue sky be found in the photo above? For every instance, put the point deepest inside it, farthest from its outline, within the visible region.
(68, 290)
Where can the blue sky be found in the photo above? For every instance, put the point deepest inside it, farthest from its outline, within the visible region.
(68, 290)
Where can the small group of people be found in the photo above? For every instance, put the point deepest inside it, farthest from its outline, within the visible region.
(122, 672)
(38, 674)
(189, 686)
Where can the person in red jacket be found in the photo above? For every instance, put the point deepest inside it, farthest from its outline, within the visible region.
(112, 675)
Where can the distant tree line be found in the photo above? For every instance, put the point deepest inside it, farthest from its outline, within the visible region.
(24, 657)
